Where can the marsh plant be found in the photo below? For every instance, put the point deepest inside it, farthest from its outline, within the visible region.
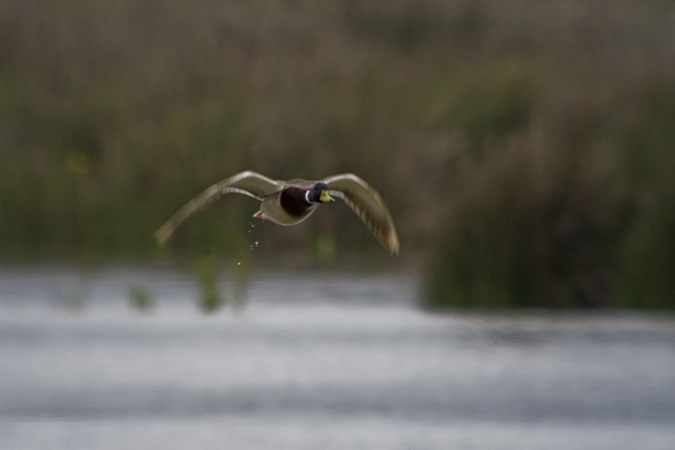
(208, 273)
(525, 149)
(141, 299)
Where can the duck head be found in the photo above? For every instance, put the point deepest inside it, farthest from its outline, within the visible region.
(319, 194)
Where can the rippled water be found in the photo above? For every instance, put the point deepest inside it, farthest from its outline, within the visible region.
(320, 361)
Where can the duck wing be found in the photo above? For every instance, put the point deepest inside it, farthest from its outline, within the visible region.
(368, 205)
(300, 183)
(245, 183)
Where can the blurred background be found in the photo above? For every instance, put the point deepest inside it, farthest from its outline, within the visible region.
(525, 149)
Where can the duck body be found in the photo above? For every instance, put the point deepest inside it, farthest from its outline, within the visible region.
(287, 207)
(291, 202)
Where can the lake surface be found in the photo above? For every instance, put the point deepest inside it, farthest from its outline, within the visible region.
(320, 361)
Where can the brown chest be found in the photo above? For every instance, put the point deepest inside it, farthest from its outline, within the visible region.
(293, 201)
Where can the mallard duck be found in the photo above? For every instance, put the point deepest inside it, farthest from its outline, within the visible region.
(291, 202)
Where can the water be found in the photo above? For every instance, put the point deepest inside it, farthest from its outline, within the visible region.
(321, 361)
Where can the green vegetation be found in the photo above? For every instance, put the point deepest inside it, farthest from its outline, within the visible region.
(526, 149)
(141, 298)
(211, 296)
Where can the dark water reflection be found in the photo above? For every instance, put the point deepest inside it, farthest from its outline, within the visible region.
(331, 361)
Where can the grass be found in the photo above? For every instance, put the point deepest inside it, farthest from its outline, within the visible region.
(525, 149)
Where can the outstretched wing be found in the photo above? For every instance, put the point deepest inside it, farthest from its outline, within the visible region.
(245, 183)
(368, 205)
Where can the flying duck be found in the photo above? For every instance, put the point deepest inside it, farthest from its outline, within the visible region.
(291, 202)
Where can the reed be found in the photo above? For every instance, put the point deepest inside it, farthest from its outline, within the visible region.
(525, 150)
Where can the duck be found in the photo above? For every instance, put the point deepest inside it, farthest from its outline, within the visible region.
(289, 203)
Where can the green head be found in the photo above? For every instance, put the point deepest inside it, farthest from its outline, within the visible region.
(319, 194)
